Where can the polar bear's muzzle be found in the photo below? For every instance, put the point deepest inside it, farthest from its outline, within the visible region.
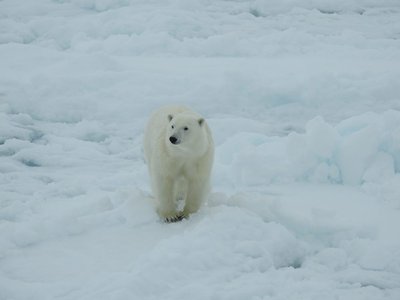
(174, 140)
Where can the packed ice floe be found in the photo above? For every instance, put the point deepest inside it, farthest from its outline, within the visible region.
(304, 104)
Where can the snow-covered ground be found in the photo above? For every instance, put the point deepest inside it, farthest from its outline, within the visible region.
(303, 98)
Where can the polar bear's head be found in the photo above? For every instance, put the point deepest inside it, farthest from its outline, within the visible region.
(187, 134)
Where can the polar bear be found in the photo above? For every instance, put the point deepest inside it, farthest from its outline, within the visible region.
(179, 152)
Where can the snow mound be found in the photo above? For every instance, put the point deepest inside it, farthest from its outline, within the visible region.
(359, 150)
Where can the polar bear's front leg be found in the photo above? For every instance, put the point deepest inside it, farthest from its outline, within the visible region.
(163, 194)
(180, 191)
(196, 196)
(171, 196)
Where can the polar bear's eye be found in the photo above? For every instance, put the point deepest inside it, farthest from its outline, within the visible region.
(185, 128)
(172, 126)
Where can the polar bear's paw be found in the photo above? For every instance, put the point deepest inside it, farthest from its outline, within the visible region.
(174, 219)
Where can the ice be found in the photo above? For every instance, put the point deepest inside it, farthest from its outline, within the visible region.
(263, 7)
(356, 151)
(304, 104)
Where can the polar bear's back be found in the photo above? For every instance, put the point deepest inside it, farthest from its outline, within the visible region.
(154, 134)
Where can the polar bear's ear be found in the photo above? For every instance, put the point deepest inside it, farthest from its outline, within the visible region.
(170, 117)
(201, 121)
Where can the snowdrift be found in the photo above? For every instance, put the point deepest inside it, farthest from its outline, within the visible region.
(360, 150)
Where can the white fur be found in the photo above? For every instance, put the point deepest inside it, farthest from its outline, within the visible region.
(180, 173)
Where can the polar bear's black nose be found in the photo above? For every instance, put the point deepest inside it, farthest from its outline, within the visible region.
(173, 140)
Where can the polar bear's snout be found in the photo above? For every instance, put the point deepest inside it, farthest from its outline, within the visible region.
(174, 140)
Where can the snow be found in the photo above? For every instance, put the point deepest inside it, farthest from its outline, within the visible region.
(304, 104)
